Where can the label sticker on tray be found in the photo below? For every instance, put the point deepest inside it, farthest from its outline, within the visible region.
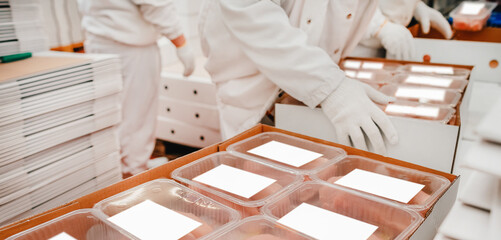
(285, 153)
(428, 80)
(419, 93)
(432, 69)
(326, 225)
(352, 64)
(149, 220)
(381, 185)
(471, 8)
(62, 236)
(372, 65)
(234, 180)
(422, 111)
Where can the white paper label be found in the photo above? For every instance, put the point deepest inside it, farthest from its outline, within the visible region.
(432, 69)
(285, 153)
(381, 185)
(430, 81)
(151, 221)
(326, 225)
(422, 111)
(421, 93)
(471, 8)
(352, 64)
(364, 75)
(62, 236)
(372, 65)
(351, 74)
(234, 180)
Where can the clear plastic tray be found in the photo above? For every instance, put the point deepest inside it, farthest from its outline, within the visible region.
(434, 185)
(80, 224)
(370, 65)
(176, 197)
(260, 228)
(437, 96)
(441, 114)
(454, 72)
(393, 221)
(329, 153)
(286, 179)
(430, 81)
(376, 79)
(472, 16)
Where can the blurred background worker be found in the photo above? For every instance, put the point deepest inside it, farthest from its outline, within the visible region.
(393, 35)
(131, 29)
(255, 48)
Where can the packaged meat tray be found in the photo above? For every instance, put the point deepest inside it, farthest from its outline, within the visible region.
(472, 16)
(139, 211)
(437, 96)
(370, 65)
(360, 173)
(375, 79)
(80, 224)
(241, 183)
(442, 114)
(260, 228)
(325, 211)
(450, 71)
(430, 81)
(296, 154)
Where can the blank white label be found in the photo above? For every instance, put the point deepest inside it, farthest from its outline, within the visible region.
(372, 65)
(285, 153)
(62, 236)
(351, 74)
(234, 180)
(422, 111)
(430, 81)
(381, 185)
(421, 93)
(151, 221)
(471, 8)
(326, 225)
(432, 69)
(364, 75)
(352, 64)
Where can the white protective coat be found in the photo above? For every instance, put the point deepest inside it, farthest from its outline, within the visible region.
(131, 29)
(256, 47)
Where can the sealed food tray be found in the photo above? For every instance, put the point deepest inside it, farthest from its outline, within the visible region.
(450, 71)
(434, 185)
(260, 228)
(277, 148)
(80, 224)
(392, 221)
(437, 96)
(370, 65)
(442, 114)
(378, 78)
(430, 81)
(178, 198)
(472, 16)
(247, 206)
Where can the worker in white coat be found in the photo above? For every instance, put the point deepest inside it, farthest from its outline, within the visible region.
(131, 29)
(394, 35)
(256, 47)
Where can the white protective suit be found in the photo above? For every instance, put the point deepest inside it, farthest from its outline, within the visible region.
(131, 29)
(256, 47)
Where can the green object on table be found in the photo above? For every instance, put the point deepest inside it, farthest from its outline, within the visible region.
(15, 57)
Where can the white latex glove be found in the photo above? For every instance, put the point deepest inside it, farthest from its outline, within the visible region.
(187, 58)
(351, 109)
(428, 16)
(397, 40)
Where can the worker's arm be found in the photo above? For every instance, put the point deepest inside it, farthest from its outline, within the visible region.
(162, 14)
(280, 51)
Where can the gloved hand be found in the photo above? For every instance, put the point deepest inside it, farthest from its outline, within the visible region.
(351, 109)
(187, 58)
(427, 16)
(397, 40)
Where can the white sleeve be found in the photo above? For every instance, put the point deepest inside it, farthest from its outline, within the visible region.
(162, 14)
(375, 24)
(280, 51)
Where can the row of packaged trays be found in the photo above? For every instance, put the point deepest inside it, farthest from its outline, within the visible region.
(216, 210)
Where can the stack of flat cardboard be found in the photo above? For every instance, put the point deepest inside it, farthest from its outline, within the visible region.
(58, 140)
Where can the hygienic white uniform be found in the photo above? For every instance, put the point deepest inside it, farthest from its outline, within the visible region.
(256, 47)
(131, 29)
